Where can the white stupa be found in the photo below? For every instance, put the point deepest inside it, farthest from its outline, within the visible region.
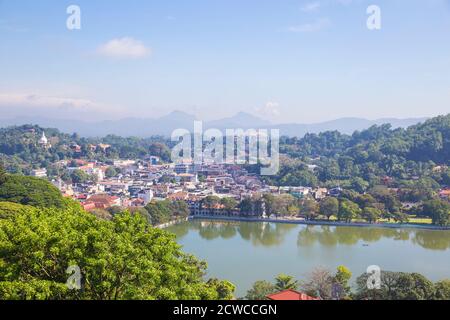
(44, 141)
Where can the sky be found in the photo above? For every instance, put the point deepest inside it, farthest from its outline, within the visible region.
(285, 61)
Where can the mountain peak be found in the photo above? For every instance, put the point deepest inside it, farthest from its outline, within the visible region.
(179, 115)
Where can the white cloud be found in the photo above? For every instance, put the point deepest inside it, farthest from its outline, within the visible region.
(127, 48)
(311, 6)
(317, 25)
(37, 101)
(36, 105)
(270, 109)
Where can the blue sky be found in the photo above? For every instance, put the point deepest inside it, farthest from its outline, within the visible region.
(286, 61)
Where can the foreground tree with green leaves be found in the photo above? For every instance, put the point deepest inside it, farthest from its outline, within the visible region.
(260, 290)
(120, 259)
(400, 286)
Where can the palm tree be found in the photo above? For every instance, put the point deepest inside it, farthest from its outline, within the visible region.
(285, 282)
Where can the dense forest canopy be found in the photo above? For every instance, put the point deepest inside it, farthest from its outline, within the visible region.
(364, 159)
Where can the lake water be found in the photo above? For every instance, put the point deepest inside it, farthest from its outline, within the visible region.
(244, 252)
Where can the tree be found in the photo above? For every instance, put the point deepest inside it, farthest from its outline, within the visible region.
(30, 191)
(260, 290)
(160, 150)
(210, 202)
(246, 207)
(383, 195)
(159, 211)
(371, 214)
(269, 202)
(179, 209)
(329, 207)
(438, 210)
(319, 283)
(79, 176)
(348, 210)
(442, 290)
(229, 204)
(414, 286)
(2, 173)
(310, 209)
(396, 286)
(122, 259)
(342, 278)
(359, 185)
(142, 212)
(102, 214)
(111, 172)
(282, 204)
(225, 289)
(285, 282)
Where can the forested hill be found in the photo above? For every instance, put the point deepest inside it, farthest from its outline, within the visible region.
(20, 150)
(367, 157)
(423, 142)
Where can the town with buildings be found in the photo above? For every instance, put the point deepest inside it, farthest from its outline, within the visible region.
(134, 183)
(139, 182)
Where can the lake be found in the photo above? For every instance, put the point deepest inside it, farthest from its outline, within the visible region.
(244, 252)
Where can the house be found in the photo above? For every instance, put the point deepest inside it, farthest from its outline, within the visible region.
(183, 168)
(290, 295)
(154, 160)
(104, 147)
(178, 196)
(102, 201)
(39, 173)
(137, 203)
(124, 163)
(320, 193)
(335, 192)
(444, 194)
(75, 148)
(187, 177)
(146, 196)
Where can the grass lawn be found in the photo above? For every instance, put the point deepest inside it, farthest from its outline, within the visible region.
(411, 220)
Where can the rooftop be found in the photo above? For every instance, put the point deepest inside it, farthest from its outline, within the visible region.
(289, 295)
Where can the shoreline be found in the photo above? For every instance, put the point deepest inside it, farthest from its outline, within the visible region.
(171, 223)
(324, 223)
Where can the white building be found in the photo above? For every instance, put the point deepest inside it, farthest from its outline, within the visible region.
(39, 173)
(146, 196)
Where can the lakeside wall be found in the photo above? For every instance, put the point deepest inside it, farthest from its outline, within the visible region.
(171, 223)
(322, 223)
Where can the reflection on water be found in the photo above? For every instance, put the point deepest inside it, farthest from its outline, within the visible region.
(258, 233)
(244, 252)
(272, 234)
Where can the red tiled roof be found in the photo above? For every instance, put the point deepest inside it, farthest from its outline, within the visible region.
(288, 295)
(178, 196)
(89, 206)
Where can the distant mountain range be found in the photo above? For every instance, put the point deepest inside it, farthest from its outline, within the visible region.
(177, 119)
